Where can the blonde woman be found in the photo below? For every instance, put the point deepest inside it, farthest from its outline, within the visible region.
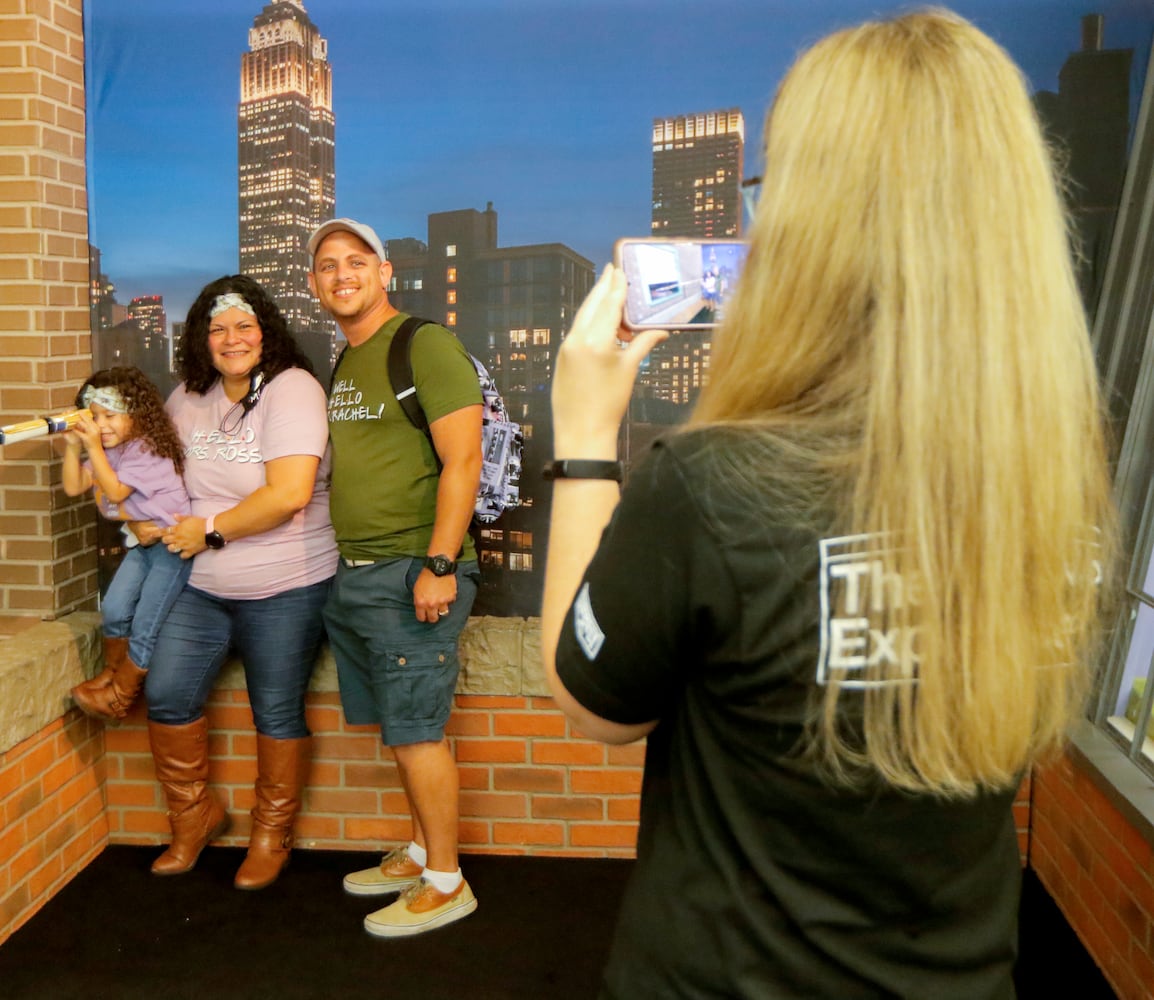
(851, 601)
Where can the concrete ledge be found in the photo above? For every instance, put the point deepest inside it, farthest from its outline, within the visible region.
(38, 667)
(41, 664)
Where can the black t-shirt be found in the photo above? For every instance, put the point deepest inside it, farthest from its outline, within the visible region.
(754, 877)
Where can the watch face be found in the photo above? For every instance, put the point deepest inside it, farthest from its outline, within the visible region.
(440, 565)
(214, 540)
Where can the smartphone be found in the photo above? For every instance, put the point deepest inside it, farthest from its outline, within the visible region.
(678, 283)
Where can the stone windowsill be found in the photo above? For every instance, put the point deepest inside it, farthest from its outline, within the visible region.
(40, 662)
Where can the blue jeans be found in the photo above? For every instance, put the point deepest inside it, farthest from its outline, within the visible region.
(140, 596)
(277, 639)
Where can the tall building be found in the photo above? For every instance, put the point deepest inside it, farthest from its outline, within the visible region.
(147, 311)
(287, 174)
(1089, 119)
(697, 173)
(511, 307)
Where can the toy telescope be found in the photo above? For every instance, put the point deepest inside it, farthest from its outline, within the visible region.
(40, 426)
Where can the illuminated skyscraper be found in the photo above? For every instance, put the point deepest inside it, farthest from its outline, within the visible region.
(697, 171)
(287, 176)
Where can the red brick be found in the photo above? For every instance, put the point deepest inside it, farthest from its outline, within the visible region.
(624, 810)
(488, 701)
(475, 778)
(602, 835)
(584, 753)
(496, 751)
(586, 782)
(550, 834)
(529, 724)
(469, 724)
(528, 779)
(568, 807)
(494, 804)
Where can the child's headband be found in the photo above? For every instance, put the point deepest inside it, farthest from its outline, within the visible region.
(107, 396)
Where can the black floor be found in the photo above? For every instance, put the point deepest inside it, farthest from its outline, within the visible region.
(541, 930)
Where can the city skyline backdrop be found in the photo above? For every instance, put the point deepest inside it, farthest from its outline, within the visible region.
(541, 107)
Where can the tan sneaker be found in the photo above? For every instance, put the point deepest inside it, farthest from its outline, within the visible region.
(396, 872)
(420, 909)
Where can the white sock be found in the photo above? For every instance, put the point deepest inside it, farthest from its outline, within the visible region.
(444, 882)
(417, 853)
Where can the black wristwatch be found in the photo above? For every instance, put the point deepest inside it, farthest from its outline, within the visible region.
(213, 538)
(440, 565)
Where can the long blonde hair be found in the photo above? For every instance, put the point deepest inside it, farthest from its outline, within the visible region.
(910, 325)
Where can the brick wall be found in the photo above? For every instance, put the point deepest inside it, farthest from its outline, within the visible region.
(528, 784)
(52, 816)
(47, 554)
(1100, 870)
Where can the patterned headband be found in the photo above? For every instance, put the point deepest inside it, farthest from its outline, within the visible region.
(231, 300)
(107, 396)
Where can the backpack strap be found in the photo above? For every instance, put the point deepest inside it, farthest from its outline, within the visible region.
(400, 365)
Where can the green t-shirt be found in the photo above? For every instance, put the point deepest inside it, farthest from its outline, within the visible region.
(385, 472)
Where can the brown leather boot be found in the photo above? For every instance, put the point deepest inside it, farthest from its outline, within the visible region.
(282, 767)
(110, 694)
(181, 757)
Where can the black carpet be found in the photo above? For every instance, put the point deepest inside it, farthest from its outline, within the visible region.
(541, 930)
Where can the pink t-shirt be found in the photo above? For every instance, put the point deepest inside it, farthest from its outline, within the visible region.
(221, 469)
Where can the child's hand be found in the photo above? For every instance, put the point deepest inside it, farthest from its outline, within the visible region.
(87, 432)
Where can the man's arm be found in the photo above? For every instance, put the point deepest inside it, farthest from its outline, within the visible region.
(457, 441)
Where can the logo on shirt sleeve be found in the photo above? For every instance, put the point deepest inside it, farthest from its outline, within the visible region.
(589, 635)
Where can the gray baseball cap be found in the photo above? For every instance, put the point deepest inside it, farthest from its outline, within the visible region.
(366, 233)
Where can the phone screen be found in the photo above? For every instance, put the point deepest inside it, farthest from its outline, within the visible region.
(678, 284)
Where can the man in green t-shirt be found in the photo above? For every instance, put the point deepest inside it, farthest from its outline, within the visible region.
(401, 504)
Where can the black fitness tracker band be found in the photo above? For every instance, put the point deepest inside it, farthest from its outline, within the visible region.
(585, 468)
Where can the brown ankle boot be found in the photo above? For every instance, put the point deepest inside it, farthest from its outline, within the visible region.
(282, 767)
(181, 757)
(110, 694)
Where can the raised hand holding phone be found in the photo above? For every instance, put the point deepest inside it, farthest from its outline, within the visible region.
(596, 369)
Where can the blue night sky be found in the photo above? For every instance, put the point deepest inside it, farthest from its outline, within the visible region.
(543, 107)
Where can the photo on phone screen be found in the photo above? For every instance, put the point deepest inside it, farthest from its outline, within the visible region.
(678, 284)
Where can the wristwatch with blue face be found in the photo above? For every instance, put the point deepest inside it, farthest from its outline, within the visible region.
(440, 565)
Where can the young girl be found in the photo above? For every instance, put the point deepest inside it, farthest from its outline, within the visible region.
(134, 464)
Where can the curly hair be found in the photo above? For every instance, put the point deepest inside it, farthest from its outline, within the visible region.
(150, 420)
(278, 350)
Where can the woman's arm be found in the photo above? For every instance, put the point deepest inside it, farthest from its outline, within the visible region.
(289, 483)
(591, 390)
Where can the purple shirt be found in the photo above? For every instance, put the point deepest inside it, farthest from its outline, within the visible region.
(158, 492)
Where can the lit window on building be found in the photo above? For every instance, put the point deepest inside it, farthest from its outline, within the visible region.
(451, 296)
(451, 250)
(491, 558)
(451, 275)
(451, 318)
(521, 562)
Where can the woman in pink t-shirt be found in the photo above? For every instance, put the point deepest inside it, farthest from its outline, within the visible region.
(253, 422)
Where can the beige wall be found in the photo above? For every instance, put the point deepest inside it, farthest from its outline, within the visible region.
(47, 542)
